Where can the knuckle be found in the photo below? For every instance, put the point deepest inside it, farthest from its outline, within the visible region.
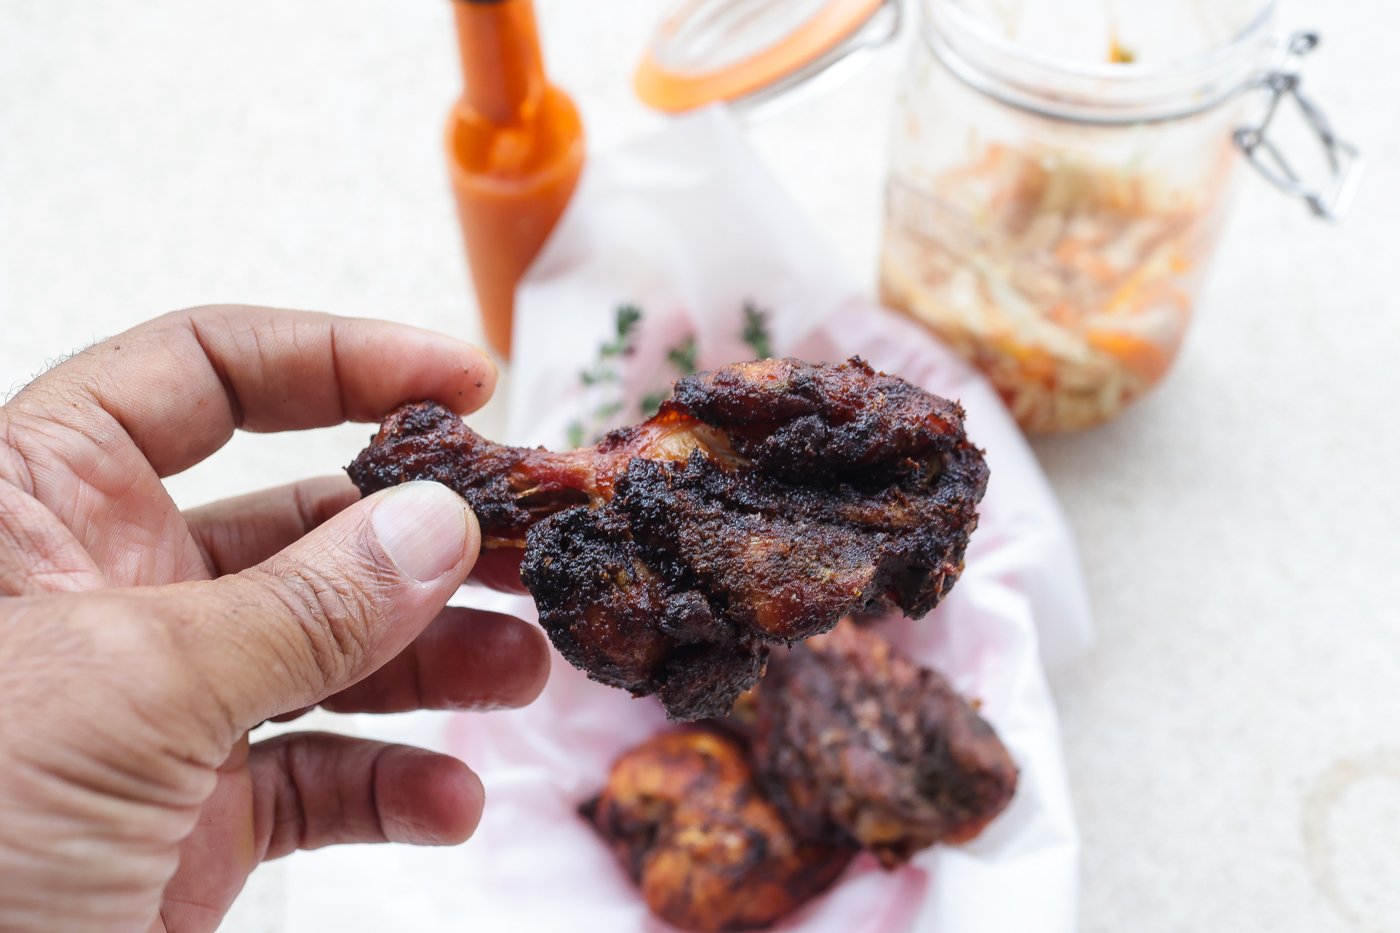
(196, 313)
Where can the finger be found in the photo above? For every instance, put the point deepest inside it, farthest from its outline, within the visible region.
(234, 534)
(215, 858)
(499, 569)
(322, 614)
(181, 384)
(312, 790)
(466, 660)
(293, 715)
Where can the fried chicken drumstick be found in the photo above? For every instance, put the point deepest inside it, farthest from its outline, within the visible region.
(845, 744)
(761, 504)
(683, 814)
(857, 744)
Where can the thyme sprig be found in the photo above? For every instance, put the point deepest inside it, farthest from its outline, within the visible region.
(756, 333)
(605, 371)
(683, 359)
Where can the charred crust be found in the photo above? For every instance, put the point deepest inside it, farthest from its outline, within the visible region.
(855, 742)
(840, 490)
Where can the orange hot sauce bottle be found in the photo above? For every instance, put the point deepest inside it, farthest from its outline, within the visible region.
(514, 151)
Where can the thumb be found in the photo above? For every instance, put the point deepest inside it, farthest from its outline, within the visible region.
(336, 605)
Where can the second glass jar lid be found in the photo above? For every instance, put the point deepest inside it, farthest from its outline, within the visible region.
(732, 50)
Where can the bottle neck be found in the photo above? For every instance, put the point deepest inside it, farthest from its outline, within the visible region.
(502, 70)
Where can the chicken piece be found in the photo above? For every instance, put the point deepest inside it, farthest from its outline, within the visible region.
(684, 816)
(761, 504)
(856, 744)
(843, 745)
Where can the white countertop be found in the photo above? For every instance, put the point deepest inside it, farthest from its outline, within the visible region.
(1232, 740)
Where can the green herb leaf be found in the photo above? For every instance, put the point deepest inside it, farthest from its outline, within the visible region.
(577, 434)
(589, 427)
(755, 333)
(651, 402)
(628, 316)
(683, 356)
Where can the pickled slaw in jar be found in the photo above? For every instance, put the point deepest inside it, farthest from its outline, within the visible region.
(1068, 281)
(1059, 176)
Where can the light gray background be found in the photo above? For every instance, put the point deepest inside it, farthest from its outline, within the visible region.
(1232, 740)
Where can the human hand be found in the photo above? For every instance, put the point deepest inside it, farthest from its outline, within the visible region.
(140, 644)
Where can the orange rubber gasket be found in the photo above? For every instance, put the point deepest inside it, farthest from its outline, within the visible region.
(674, 91)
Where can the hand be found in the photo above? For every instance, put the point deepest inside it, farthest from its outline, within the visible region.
(139, 644)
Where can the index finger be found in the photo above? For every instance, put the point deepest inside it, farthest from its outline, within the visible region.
(181, 384)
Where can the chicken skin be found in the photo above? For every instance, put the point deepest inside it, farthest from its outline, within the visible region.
(761, 504)
(845, 744)
(857, 744)
(686, 819)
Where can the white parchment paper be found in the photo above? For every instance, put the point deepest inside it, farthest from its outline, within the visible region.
(689, 227)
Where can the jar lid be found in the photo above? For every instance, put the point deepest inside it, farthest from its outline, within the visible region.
(728, 50)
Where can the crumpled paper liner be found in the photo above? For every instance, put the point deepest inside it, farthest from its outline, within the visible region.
(689, 227)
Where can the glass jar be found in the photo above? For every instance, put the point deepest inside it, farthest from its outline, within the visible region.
(1060, 175)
